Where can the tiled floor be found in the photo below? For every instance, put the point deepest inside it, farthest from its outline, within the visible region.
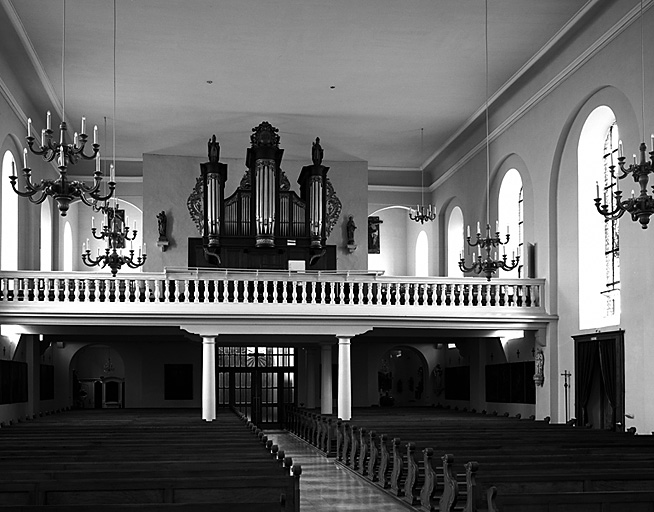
(324, 485)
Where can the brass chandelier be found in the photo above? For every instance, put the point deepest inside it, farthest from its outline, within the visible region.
(114, 230)
(486, 262)
(66, 153)
(640, 207)
(422, 213)
(116, 233)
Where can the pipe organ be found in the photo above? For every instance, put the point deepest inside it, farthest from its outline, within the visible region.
(264, 224)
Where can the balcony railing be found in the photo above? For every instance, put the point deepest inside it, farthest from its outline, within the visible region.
(363, 289)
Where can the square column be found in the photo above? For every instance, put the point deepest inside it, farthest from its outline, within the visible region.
(208, 378)
(326, 404)
(344, 379)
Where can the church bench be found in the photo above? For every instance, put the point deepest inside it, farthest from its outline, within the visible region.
(263, 506)
(226, 489)
(595, 501)
(526, 490)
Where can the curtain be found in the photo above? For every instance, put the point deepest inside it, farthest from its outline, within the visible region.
(586, 359)
(607, 368)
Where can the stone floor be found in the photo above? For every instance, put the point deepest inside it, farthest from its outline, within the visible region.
(324, 484)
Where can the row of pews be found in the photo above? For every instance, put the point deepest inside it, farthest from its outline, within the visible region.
(452, 460)
(146, 460)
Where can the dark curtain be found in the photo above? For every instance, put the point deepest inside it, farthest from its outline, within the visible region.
(607, 367)
(586, 360)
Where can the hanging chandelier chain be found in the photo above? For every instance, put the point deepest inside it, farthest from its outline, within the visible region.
(487, 122)
(63, 64)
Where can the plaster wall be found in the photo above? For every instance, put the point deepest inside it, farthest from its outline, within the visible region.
(545, 136)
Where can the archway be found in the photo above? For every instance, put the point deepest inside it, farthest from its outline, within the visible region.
(97, 374)
(402, 377)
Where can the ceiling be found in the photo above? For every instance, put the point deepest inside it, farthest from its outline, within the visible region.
(366, 76)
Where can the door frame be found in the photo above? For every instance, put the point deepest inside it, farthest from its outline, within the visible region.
(618, 336)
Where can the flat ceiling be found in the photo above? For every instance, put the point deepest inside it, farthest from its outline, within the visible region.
(366, 76)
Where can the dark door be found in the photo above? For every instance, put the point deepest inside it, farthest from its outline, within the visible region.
(599, 380)
(258, 381)
(97, 395)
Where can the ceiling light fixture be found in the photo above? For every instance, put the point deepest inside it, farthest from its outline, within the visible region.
(62, 189)
(640, 207)
(422, 213)
(487, 262)
(115, 229)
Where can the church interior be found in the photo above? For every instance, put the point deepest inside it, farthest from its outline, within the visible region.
(333, 220)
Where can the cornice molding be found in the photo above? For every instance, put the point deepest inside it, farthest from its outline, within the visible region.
(31, 53)
(393, 188)
(13, 102)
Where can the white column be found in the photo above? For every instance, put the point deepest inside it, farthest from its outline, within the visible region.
(208, 378)
(344, 379)
(326, 384)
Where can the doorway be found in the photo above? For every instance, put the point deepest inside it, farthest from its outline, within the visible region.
(599, 389)
(257, 381)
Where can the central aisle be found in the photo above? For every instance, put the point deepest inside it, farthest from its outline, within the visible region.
(326, 487)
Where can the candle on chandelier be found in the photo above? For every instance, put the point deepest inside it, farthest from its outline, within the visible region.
(88, 245)
(134, 225)
(634, 159)
(97, 162)
(76, 139)
(620, 149)
(478, 229)
(597, 189)
(95, 134)
(112, 173)
(48, 120)
(13, 169)
(92, 222)
(144, 249)
(468, 231)
(83, 128)
(497, 226)
(43, 137)
(24, 159)
(29, 126)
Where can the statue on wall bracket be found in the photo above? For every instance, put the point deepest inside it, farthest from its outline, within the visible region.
(162, 226)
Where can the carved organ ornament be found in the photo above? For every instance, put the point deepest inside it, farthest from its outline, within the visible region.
(263, 208)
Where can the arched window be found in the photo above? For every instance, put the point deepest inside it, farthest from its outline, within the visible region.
(68, 248)
(46, 236)
(599, 239)
(511, 217)
(422, 255)
(454, 242)
(9, 226)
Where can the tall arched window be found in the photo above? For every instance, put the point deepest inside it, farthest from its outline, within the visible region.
(599, 239)
(454, 242)
(422, 255)
(68, 248)
(46, 236)
(511, 217)
(9, 226)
